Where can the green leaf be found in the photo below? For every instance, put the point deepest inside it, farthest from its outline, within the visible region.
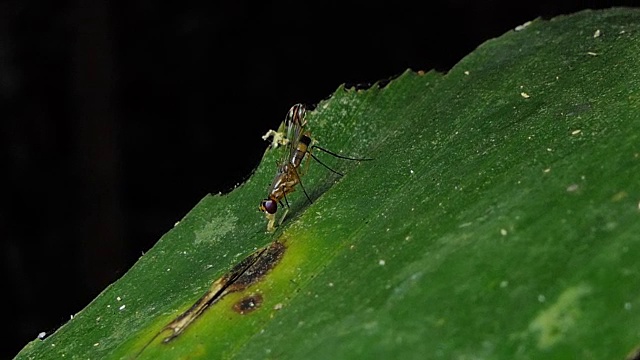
(499, 219)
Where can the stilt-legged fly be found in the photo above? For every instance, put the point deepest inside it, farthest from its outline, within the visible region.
(298, 144)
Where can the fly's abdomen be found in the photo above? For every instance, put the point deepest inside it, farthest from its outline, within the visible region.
(301, 150)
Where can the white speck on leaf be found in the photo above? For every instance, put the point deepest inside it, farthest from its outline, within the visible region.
(597, 34)
(572, 188)
(525, 95)
(381, 262)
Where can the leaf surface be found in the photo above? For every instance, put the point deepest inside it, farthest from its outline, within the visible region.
(499, 219)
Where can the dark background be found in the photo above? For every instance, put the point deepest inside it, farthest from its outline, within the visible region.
(117, 117)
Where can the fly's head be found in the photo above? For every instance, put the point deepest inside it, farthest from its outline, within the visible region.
(268, 206)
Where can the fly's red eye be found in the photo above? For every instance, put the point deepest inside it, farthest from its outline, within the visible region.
(269, 206)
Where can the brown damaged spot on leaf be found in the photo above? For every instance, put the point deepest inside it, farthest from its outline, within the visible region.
(246, 273)
(249, 271)
(248, 304)
(267, 260)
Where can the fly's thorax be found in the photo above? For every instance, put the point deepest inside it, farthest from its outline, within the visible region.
(279, 179)
(284, 182)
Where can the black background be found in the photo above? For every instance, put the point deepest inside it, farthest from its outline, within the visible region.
(117, 117)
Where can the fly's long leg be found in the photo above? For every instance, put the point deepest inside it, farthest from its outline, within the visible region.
(286, 211)
(325, 165)
(286, 202)
(338, 155)
(333, 154)
(302, 186)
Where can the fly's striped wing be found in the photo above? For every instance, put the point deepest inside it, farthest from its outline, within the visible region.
(295, 123)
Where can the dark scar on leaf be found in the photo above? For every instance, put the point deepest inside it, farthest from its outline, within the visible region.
(248, 304)
(247, 272)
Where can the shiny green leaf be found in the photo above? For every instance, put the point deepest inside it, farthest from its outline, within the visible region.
(499, 219)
